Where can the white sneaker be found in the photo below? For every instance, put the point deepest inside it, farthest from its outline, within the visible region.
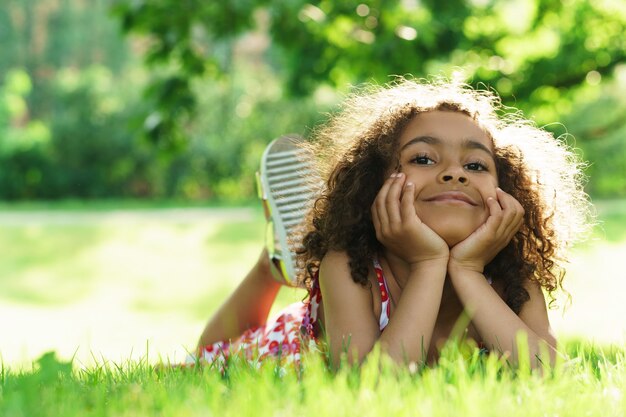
(288, 185)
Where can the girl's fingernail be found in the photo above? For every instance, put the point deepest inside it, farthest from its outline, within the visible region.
(393, 175)
(409, 184)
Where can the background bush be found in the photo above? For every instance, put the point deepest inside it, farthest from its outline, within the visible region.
(181, 106)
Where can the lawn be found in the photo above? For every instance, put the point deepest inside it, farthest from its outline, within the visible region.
(113, 284)
(118, 290)
(461, 385)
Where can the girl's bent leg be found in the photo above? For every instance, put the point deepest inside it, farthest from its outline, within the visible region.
(247, 307)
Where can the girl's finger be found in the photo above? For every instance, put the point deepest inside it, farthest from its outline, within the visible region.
(379, 202)
(507, 212)
(375, 218)
(513, 212)
(392, 202)
(507, 202)
(407, 209)
(495, 214)
(518, 220)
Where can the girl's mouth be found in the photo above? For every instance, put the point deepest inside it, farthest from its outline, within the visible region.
(454, 197)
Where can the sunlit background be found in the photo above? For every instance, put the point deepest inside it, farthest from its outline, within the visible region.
(130, 132)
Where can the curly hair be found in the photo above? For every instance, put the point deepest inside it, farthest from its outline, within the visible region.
(359, 144)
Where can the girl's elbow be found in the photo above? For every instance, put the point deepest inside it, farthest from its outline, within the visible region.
(544, 353)
(346, 353)
(551, 340)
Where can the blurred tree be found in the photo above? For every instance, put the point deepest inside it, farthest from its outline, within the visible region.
(192, 39)
(70, 83)
(599, 118)
(64, 108)
(536, 53)
(41, 37)
(22, 140)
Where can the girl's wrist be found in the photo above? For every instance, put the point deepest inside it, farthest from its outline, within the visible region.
(456, 267)
(429, 264)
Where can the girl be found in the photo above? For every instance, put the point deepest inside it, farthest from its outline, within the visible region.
(434, 208)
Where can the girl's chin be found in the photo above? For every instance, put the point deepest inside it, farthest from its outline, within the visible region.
(454, 241)
(452, 228)
(452, 236)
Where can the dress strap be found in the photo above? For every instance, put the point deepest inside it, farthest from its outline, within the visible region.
(309, 321)
(385, 310)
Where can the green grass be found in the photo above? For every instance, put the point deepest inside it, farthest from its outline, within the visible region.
(166, 263)
(138, 275)
(107, 286)
(36, 257)
(460, 385)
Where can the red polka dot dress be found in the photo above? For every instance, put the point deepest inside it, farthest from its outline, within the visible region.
(285, 336)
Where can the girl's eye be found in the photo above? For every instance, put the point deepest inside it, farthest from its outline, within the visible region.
(476, 166)
(422, 160)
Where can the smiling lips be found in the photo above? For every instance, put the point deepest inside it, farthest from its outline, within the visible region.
(452, 197)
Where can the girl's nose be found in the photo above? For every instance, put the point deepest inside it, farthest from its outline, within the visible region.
(452, 175)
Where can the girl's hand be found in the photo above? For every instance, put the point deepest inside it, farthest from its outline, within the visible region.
(399, 229)
(506, 216)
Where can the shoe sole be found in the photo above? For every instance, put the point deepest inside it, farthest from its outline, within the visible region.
(287, 186)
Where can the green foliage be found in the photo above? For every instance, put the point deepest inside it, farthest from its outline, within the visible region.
(224, 78)
(71, 118)
(598, 128)
(63, 117)
(94, 152)
(536, 53)
(85, 150)
(226, 143)
(546, 57)
(195, 51)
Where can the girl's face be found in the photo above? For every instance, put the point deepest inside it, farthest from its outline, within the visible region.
(450, 160)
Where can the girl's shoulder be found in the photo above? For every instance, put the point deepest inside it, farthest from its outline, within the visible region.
(335, 267)
(344, 303)
(335, 256)
(335, 274)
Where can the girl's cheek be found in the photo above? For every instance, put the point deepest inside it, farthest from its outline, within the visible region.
(490, 192)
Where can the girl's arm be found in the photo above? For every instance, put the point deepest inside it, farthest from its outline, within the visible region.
(497, 324)
(351, 325)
